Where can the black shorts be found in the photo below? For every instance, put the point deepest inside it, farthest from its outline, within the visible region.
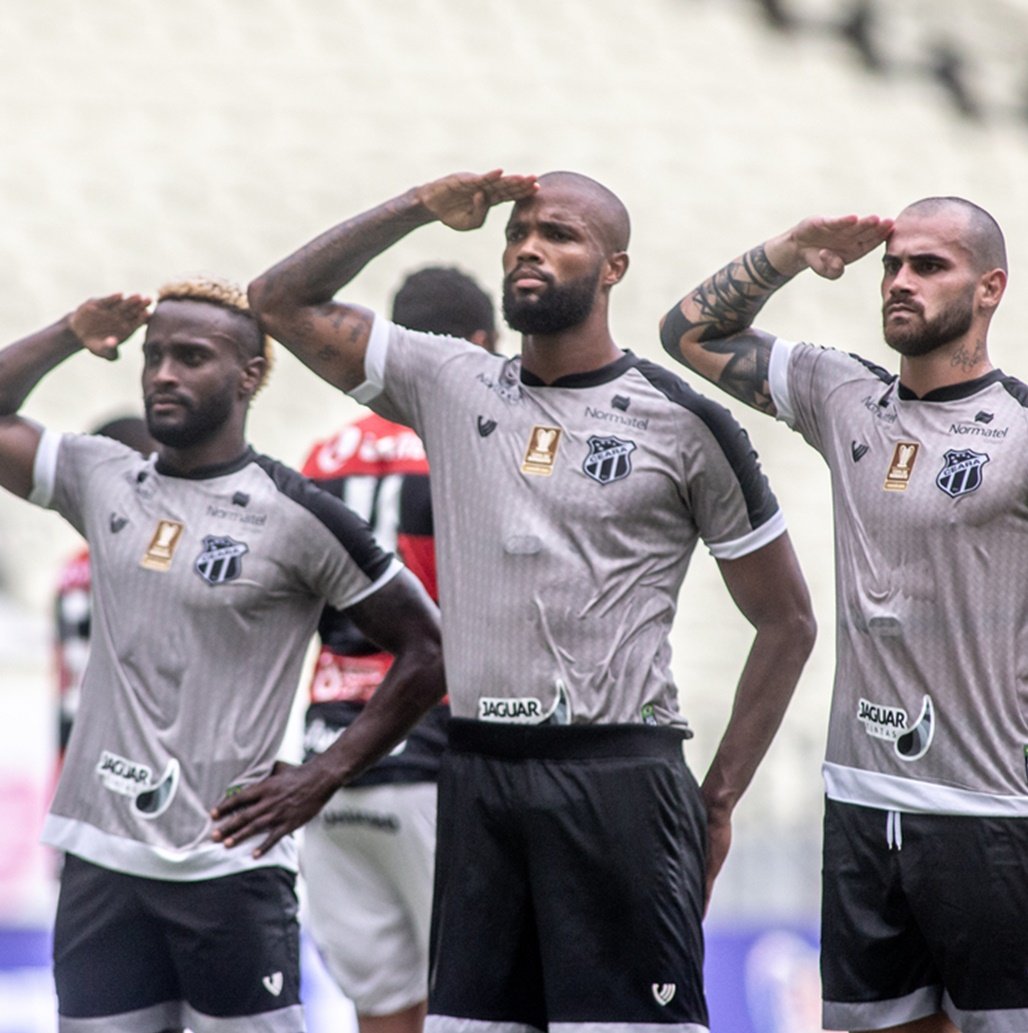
(569, 879)
(924, 913)
(144, 955)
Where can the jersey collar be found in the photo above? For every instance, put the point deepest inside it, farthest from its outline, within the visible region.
(590, 378)
(953, 392)
(205, 473)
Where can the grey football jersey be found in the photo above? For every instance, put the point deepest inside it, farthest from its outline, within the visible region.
(930, 707)
(206, 592)
(565, 518)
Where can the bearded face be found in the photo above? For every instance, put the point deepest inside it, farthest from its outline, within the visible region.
(910, 332)
(552, 308)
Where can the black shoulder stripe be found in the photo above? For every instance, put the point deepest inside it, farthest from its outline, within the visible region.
(1017, 390)
(884, 375)
(351, 531)
(761, 504)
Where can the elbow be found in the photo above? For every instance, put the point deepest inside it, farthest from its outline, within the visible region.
(802, 632)
(269, 303)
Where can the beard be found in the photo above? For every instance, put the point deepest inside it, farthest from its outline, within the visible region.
(559, 307)
(920, 336)
(198, 420)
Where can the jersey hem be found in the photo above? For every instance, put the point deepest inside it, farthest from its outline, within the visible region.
(891, 793)
(132, 857)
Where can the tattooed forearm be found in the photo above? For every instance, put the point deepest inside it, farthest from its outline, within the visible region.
(709, 330)
(730, 300)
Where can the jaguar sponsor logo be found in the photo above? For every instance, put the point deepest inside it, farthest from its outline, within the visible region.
(132, 778)
(526, 710)
(892, 724)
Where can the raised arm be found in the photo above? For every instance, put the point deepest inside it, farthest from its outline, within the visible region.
(98, 325)
(710, 329)
(294, 299)
(770, 591)
(403, 621)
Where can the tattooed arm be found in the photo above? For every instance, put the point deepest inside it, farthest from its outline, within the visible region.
(710, 330)
(294, 299)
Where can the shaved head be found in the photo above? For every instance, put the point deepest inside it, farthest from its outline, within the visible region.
(982, 237)
(607, 214)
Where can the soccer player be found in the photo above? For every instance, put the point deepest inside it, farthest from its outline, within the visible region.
(368, 857)
(210, 565)
(925, 897)
(570, 485)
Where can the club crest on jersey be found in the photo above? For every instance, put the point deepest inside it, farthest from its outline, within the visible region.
(541, 453)
(901, 466)
(221, 559)
(961, 471)
(609, 459)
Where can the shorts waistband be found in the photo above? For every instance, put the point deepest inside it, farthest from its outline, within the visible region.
(565, 742)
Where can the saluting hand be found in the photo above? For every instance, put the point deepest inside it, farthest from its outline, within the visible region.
(102, 324)
(828, 245)
(463, 199)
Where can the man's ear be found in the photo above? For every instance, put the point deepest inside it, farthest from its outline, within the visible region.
(990, 289)
(252, 375)
(617, 266)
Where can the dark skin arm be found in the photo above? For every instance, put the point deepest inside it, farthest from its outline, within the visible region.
(294, 299)
(98, 325)
(770, 592)
(403, 621)
(710, 330)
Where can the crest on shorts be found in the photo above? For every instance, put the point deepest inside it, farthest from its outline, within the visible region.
(221, 559)
(609, 459)
(961, 471)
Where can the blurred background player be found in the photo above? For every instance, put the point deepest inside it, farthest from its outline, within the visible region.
(368, 857)
(72, 606)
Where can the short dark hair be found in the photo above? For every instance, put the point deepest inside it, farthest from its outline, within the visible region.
(443, 300)
(984, 237)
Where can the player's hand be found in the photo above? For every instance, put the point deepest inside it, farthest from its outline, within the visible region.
(462, 200)
(101, 324)
(719, 840)
(828, 245)
(277, 805)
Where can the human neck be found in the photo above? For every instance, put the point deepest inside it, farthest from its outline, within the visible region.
(964, 359)
(580, 349)
(219, 450)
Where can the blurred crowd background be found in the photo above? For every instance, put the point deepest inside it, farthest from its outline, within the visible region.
(145, 140)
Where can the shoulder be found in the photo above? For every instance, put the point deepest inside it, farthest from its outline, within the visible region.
(687, 401)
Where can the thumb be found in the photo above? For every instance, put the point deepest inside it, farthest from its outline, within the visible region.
(829, 264)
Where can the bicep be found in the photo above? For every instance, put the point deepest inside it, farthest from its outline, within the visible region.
(330, 338)
(19, 442)
(737, 363)
(767, 584)
(398, 615)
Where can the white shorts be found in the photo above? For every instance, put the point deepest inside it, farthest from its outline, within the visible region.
(368, 861)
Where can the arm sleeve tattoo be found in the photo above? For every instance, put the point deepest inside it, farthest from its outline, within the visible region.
(722, 306)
